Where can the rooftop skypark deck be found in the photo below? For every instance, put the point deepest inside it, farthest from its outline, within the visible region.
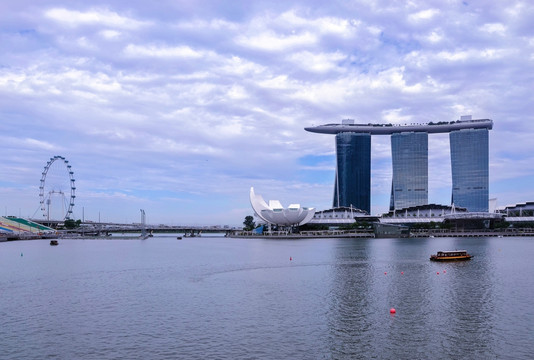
(388, 129)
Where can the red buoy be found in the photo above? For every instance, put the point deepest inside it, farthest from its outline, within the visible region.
(385, 273)
(290, 258)
(392, 311)
(402, 272)
(437, 272)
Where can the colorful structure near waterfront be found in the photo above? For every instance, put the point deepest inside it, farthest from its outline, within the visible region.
(409, 146)
(274, 213)
(13, 225)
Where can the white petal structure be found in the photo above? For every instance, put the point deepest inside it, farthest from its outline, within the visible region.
(275, 213)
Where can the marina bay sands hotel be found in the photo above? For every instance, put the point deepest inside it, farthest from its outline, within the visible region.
(409, 149)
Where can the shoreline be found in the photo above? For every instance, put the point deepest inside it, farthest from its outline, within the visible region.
(349, 234)
(338, 234)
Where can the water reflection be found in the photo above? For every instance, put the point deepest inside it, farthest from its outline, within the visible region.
(465, 302)
(348, 321)
(445, 315)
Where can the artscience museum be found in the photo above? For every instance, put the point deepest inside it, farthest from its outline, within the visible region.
(274, 213)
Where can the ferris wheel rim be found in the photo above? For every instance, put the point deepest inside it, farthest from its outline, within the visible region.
(71, 182)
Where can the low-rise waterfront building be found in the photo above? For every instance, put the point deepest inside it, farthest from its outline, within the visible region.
(519, 214)
(430, 212)
(518, 210)
(341, 216)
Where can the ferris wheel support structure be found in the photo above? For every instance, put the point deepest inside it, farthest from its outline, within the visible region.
(44, 203)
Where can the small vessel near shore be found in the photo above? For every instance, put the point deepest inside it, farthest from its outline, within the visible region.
(54, 242)
(193, 234)
(451, 255)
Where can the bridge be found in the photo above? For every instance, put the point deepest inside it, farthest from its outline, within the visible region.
(14, 228)
(114, 227)
(90, 227)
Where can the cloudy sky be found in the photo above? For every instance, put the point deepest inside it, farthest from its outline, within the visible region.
(179, 107)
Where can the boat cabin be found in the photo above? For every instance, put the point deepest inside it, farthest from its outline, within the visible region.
(451, 255)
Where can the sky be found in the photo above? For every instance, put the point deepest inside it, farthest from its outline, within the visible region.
(179, 107)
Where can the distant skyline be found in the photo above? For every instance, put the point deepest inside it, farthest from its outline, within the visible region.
(179, 107)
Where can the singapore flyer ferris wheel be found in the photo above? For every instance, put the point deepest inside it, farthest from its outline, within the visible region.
(56, 183)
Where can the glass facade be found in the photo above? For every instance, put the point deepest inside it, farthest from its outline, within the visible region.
(470, 169)
(353, 173)
(409, 154)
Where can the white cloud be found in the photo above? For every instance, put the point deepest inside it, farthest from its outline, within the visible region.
(327, 93)
(238, 66)
(29, 143)
(485, 54)
(103, 17)
(276, 82)
(110, 34)
(395, 116)
(237, 93)
(83, 42)
(320, 62)
(434, 37)
(423, 15)
(212, 24)
(327, 25)
(183, 51)
(270, 41)
(494, 28)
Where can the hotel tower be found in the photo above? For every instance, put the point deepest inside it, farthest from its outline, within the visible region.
(409, 152)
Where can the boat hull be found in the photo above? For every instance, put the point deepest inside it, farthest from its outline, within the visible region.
(450, 258)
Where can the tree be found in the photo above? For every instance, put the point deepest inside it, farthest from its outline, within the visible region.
(249, 223)
(71, 224)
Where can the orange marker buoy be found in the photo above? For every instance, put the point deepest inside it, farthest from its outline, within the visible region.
(392, 311)
(385, 273)
(402, 272)
(437, 273)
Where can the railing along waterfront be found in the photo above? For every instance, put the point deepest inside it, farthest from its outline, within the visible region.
(306, 234)
(472, 233)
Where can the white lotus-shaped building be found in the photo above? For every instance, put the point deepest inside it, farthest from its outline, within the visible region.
(274, 212)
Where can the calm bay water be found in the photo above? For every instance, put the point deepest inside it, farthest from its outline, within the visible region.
(221, 298)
